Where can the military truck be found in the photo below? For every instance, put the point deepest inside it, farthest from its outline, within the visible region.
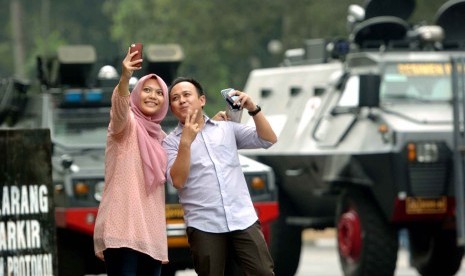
(366, 140)
(73, 101)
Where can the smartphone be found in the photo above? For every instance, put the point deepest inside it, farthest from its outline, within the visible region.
(230, 99)
(137, 47)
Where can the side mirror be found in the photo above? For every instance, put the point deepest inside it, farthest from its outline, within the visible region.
(369, 90)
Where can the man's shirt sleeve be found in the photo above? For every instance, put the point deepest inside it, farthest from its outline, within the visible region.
(170, 144)
(247, 137)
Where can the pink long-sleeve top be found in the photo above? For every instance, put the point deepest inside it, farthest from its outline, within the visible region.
(129, 216)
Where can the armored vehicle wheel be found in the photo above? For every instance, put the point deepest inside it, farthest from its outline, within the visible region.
(434, 251)
(286, 241)
(367, 244)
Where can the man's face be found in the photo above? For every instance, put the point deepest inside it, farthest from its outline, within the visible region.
(184, 98)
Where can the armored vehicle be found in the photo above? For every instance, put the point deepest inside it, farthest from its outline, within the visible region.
(73, 101)
(366, 140)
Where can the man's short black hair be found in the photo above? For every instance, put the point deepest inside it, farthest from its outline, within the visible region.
(197, 85)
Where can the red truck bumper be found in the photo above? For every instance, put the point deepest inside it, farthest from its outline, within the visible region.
(267, 212)
(77, 219)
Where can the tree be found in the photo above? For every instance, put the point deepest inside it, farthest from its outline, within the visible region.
(223, 40)
(57, 23)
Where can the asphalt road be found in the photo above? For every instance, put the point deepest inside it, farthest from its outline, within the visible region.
(319, 258)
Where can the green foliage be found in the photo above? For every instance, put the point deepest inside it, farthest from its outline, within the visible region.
(425, 11)
(45, 46)
(222, 40)
(43, 30)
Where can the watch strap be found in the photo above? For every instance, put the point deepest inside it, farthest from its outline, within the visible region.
(254, 112)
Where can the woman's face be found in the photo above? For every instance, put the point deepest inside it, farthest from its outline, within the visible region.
(151, 97)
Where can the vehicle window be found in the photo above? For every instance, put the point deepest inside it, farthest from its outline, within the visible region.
(349, 97)
(416, 81)
(80, 126)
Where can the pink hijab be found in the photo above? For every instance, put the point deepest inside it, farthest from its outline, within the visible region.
(150, 134)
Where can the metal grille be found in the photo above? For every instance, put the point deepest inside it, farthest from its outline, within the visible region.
(428, 179)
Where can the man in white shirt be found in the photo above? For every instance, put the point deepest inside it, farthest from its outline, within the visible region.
(203, 164)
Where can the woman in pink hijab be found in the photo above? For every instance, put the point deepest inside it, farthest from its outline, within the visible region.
(130, 230)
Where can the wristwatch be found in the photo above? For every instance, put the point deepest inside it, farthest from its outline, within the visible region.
(254, 112)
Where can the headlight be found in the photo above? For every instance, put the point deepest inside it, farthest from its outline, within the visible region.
(81, 188)
(258, 186)
(423, 152)
(88, 189)
(99, 190)
(258, 183)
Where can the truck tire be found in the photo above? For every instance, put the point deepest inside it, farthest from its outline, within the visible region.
(286, 241)
(434, 251)
(367, 244)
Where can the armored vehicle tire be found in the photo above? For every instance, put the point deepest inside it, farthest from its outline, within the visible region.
(367, 244)
(286, 241)
(434, 251)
